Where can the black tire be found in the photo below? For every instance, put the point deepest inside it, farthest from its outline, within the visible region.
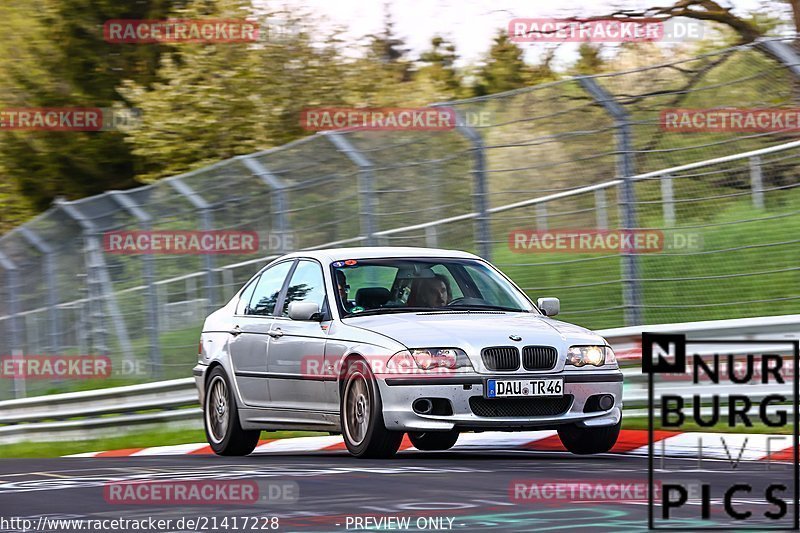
(223, 431)
(584, 441)
(361, 411)
(434, 440)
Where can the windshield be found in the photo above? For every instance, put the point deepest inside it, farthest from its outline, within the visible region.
(376, 286)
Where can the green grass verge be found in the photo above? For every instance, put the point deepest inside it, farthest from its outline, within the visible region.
(747, 256)
(133, 440)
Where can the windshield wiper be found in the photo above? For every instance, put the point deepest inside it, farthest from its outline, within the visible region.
(388, 310)
(450, 308)
(479, 307)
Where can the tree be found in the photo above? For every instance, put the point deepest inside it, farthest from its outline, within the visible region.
(705, 10)
(383, 75)
(53, 55)
(543, 71)
(219, 101)
(504, 68)
(389, 49)
(438, 70)
(589, 60)
(14, 208)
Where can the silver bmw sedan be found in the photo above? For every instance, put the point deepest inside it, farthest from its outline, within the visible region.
(377, 342)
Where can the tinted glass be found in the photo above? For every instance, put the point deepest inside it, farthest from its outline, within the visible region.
(307, 285)
(268, 288)
(244, 300)
(397, 285)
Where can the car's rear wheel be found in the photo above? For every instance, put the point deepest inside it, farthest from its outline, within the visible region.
(434, 440)
(583, 441)
(364, 432)
(221, 418)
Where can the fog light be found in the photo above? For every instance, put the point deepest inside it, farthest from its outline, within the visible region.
(606, 402)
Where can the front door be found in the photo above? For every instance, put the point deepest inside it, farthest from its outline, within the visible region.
(297, 347)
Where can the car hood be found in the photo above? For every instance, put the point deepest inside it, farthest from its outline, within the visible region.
(474, 330)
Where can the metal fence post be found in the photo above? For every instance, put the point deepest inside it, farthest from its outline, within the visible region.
(600, 208)
(431, 237)
(149, 275)
(15, 336)
(667, 201)
(483, 234)
(280, 203)
(206, 224)
(541, 216)
(366, 177)
(631, 293)
(783, 53)
(98, 283)
(227, 280)
(48, 273)
(756, 182)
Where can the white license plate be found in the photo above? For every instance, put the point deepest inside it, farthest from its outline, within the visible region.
(521, 388)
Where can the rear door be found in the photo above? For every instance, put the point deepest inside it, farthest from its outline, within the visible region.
(250, 334)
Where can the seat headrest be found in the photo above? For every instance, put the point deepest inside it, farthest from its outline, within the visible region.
(372, 297)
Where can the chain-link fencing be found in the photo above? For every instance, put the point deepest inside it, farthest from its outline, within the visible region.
(588, 154)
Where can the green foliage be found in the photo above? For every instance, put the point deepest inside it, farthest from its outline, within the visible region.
(53, 55)
(504, 68)
(438, 70)
(745, 251)
(589, 60)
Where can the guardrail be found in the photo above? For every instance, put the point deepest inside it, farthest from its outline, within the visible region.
(97, 413)
(94, 413)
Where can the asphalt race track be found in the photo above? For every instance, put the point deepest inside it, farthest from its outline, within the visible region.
(462, 491)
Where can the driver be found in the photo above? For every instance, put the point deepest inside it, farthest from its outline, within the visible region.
(342, 287)
(434, 292)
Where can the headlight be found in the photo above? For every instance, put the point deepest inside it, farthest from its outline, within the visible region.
(446, 359)
(590, 355)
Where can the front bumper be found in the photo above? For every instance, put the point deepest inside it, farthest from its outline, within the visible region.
(398, 395)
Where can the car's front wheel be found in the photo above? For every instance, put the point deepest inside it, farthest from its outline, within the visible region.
(583, 441)
(434, 440)
(365, 434)
(221, 418)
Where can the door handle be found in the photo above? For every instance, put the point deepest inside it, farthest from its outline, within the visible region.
(275, 333)
(236, 331)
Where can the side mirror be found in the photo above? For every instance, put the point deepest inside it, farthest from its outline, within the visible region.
(304, 311)
(549, 306)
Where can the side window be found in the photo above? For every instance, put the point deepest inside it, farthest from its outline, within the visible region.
(307, 285)
(268, 288)
(243, 306)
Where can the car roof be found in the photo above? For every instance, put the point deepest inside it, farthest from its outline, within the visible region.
(377, 252)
